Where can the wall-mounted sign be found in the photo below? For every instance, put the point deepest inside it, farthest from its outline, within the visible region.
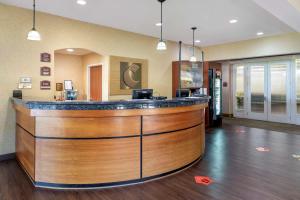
(25, 83)
(45, 71)
(59, 87)
(45, 85)
(45, 57)
(25, 80)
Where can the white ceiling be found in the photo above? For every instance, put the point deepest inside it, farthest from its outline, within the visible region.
(210, 16)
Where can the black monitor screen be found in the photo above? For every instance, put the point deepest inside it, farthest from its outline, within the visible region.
(142, 94)
(183, 92)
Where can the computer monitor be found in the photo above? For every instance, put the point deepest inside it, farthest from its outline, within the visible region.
(183, 92)
(142, 94)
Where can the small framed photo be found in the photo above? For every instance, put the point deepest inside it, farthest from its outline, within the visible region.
(59, 87)
(68, 85)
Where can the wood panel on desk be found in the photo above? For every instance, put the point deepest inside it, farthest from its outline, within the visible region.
(87, 127)
(115, 113)
(166, 152)
(25, 150)
(26, 121)
(63, 161)
(166, 123)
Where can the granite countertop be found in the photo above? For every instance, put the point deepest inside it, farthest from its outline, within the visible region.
(109, 105)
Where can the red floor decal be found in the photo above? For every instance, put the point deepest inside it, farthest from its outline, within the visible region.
(262, 149)
(204, 180)
(240, 131)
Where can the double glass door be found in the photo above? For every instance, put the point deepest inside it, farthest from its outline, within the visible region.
(266, 91)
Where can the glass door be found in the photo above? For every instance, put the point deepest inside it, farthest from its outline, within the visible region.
(239, 97)
(279, 100)
(296, 92)
(257, 90)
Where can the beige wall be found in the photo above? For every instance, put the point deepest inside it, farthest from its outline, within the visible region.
(20, 57)
(275, 45)
(69, 67)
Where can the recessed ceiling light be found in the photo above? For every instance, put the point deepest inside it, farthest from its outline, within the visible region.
(233, 21)
(158, 24)
(81, 2)
(259, 33)
(197, 41)
(70, 50)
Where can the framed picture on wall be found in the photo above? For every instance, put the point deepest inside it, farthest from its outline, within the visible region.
(127, 74)
(45, 85)
(68, 85)
(45, 57)
(45, 71)
(59, 87)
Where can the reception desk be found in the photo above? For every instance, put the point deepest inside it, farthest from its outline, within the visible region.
(80, 144)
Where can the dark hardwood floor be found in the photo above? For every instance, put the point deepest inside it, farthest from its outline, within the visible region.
(231, 160)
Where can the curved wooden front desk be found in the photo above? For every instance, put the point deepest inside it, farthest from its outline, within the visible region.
(100, 148)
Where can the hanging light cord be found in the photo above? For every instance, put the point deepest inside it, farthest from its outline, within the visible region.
(33, 15)
(194, 41)
(161, 16)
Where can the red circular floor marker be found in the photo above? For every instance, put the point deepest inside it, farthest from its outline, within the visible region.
(203, 180)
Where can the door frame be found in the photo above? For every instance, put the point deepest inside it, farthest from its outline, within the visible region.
(293, 117)
(238, 113)
(88, 95)
(289, 104)
(253, 115)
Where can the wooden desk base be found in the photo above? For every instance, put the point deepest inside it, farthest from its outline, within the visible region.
(77, 151)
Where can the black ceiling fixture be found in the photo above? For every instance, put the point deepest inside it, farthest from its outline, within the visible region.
(193, 57)
(161, 44)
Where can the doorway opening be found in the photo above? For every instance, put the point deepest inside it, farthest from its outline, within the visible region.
(76, 65)
(94, 82)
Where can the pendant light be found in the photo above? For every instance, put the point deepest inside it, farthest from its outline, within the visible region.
(193, 57)
(33, 33)
(161, 44)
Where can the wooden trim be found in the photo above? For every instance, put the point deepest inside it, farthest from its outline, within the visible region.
(115, 113)
(25, 151)
(165, 152)
(22, 109)
(166, 123)
(87, 161)
(87, 127)
(114, 184)
(26, 122)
